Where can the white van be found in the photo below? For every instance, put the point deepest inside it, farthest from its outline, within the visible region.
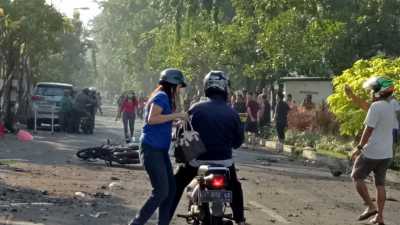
(46, 100)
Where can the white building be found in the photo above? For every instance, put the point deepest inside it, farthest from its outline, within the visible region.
(299, 87)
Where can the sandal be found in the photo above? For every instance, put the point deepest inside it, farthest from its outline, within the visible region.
(366, 215)
(374, 221)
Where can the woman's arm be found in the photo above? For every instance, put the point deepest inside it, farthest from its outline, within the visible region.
(155, 116)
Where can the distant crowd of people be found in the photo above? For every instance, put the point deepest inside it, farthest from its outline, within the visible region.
(259, 111)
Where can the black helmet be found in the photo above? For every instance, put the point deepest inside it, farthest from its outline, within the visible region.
(216, 80)
(172, 76)
(86, 90)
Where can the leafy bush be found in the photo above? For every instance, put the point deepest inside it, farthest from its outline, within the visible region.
(336, 147)
(332, 144)
(302, 139)
(267, 132)
(350, 117)
(300, 119)
(317, 120)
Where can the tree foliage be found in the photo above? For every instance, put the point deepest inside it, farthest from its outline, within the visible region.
(37, 43)
(254, 40)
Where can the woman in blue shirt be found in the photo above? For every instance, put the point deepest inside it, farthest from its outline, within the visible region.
(156, 140)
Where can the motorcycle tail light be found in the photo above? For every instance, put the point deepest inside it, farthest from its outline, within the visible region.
(217, 182)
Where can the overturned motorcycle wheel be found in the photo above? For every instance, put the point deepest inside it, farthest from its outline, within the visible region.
(86, 154)
(127, 154)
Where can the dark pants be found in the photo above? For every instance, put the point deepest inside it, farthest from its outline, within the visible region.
(128, 120)
(280, 130)
(92, 120)
(65, 119)
(158, 166)
(187, 173)
(77, 115)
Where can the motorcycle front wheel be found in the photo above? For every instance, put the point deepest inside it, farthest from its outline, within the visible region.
(87, 153)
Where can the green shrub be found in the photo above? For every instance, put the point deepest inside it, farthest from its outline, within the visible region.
(302, 139)
(328, 145)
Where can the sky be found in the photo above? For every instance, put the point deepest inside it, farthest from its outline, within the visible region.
(67, 7)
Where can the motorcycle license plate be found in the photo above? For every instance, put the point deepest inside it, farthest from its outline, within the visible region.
(216, 196)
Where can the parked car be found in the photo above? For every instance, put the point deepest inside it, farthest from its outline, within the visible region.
(47, 102)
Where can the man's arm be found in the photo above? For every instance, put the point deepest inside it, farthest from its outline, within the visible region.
(361, 103)
(364, 140)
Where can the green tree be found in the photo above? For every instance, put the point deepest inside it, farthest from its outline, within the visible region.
(28, 36)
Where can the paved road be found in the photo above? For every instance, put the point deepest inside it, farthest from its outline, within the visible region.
(39, 181)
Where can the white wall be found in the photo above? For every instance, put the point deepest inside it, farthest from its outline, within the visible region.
(320, 90)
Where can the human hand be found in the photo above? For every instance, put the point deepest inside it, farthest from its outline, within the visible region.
(181, 116)
(348, 90)
(354, 154)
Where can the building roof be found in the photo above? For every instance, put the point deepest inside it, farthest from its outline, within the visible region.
(286, 79)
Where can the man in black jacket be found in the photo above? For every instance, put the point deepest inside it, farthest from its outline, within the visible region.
(221, 131)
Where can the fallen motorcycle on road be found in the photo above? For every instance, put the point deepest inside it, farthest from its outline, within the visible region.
(111, 153)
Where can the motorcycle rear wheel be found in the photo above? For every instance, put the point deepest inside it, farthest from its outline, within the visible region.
(216, 220)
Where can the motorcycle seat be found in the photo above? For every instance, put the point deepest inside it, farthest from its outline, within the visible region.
(205, 170)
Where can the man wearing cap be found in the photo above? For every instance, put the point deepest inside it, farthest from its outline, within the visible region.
(374, 152)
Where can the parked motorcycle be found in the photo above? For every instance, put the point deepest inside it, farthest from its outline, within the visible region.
(208, 197)
(121, 154)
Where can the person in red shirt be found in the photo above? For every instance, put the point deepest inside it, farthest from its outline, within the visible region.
(252, 119)
(252, 110)
(128, 108)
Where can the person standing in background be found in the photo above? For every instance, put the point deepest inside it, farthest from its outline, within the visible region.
(281, 111)
(308, 104)
(99, 103)
(233, 101)
(252, 108)
(66, 112)
(128, 108)
(291, 102)
(264, 114)
(240, 104)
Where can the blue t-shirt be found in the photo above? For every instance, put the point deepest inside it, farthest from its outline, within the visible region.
(158, 136)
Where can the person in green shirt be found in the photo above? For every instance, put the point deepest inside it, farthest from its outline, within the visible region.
(66, 111)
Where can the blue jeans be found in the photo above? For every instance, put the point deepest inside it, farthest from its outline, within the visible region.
(159, 168)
